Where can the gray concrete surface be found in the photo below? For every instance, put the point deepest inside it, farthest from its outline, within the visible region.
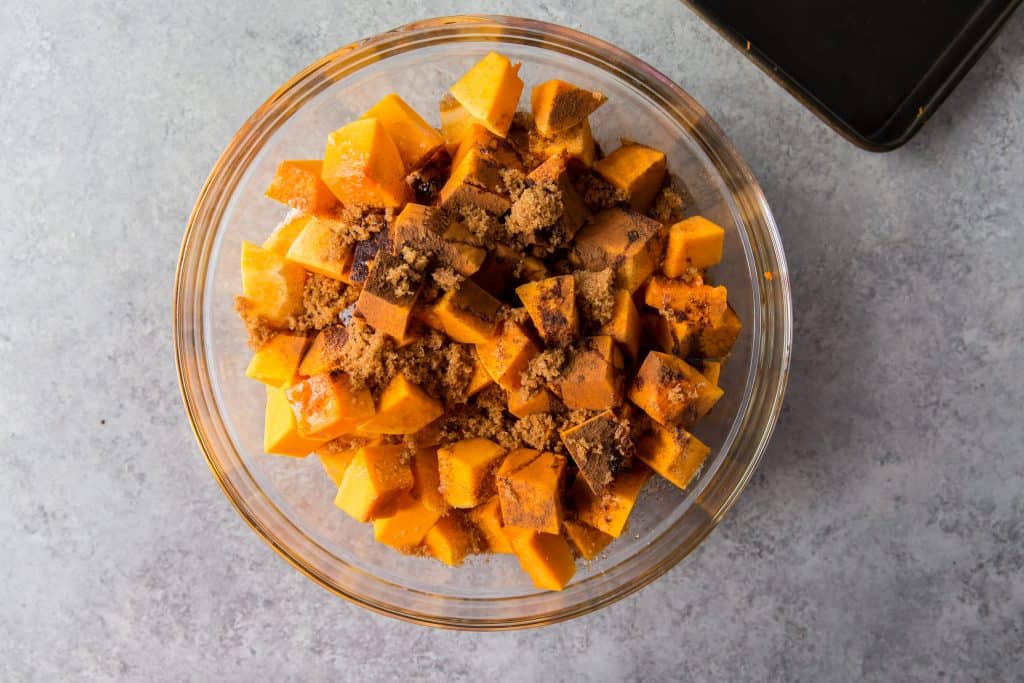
(883, 538)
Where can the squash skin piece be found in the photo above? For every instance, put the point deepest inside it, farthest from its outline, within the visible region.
(406, 527)
(628, 242)
(551, 304)
(671, 391)
(673, 453)
(467, 313)
(588, 540)
(335, 463)
(284, 234)
(529, 490)
(546, 558)
(558, 105)
(465, 469)
(490, 92)
(592, 379)
(426, 476)
(272, 286)
(717, 339)
(327, 407)
(415, 139)
(403, 408)
(310, 250)
(385, 309)
(610, 511)
(362, 166)
(374, 479)
(692, 243)
(297, 184)
(576, 143)
(637, 170)
(487, 519)
(506, 353)
(624, 326)
(280, 431)
(277, 361)
(448, 541)
(693, 301)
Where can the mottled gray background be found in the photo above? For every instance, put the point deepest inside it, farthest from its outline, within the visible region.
(882, 539)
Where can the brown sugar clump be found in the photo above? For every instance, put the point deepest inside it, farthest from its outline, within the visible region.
(446, 278)
(259, 331)
(514, 181)
(543, 369)
(669, 205)
(598, 193)
(538, 207)
(323, 299)
(360, 353)
(538, 431)
(596, 294)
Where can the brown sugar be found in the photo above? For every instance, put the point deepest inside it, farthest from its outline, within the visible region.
(598, 193)
(538, 207)
(323, 300)
(258, 330)
(543, 369)
(596, 294)
(669, 205)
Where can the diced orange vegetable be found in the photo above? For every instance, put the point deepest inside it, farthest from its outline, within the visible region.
(280, 430)
(422, 228)
(555, 170)
(362, 166)
(588, 540)
(490, 92)
(336, 462)
(540, 401)
(480, 378)
(403, 408)
(627, 242)
(327, 407)
(624, 326)
(426, 476)
(576, 143)
(671, 390)
(677, 337)
(278, 360)
(694, 301)
(712, 369)
(456, 123)
(600, 446)
(592, 379)
(609, 511)
(271, 285)
(385, 305)
(449, 540)
(635, 169)
(529, 490)
(405, 528)
(692, 243)
(506, 353)
(323, 352)
(415, 139)
(374, 479)
(476, 175)
(487, 518)
(465, 468)
(558, 105)
(717, 339)
(551, 304)
(468, 313)
(311, 249)
(280, 241)
(545, 557)
(673, 453)
(297, 183)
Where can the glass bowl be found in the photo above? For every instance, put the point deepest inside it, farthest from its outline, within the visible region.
(289, 501)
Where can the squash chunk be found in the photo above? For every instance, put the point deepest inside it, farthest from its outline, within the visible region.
(480, 379)
(297, 183)
(405, 528)
(336, 462)
(592, 379)
(280, 241)
(624, 326)
(456, 123)
(600, 447)
(673, 453)
(422, 228)
(449, 540)
(693, 301)
(476, 175)
(609, 511)
(465, 468)
(311, 249)
(693, 243)
(717, 339)
(327, 407)
(558, 105)
(362, 166)
(628, 242)
(374, 479)
(506, 353)
(575, 143)
(545, 557)
(529, 490)
(403, 408)
(490, 92)
(671, 390)
(468, 313)
(280, 429)
(556, 172)
(389, 295)
(635, 169)
(712, 369)
(415, 139)
(426, 486)
(487, 519)
(551, 304)
(678, 337)
(271, 285)
(521, 406)
(324, 351)
(278, 360)
(588, 540)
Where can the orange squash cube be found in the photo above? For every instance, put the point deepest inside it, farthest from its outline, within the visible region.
(635, 169)
(277, 361)
(551, 304)
(624, 326)
(506, 353)
(609, 511)
(426, 476)
(490, 92)
(628, 242)
(322, 355)
(677, 337)
(575, 143)
(589, 541)
(717, 338)
(408, 524)
(712, 369)
(600, 447)
(546, 558)
(555, 170)
(272, 286)
(336, 462)
(592, 379)
(673, 453)
(386, 304)
(672, 391)
(476, 175)
(521, 406)
(558, 105)
(693, 301)
(362, 166)
(692, 243)
(465, 469)
(280, 241)
(327, 407)
(487, 519)
(423, 228)
(468, 313)
(449, 540)
(297, 183)
(480, 379)
(456, 123)
(403, 408)
(415, 139)
(530, 490)
(311, 249)
(280, 429)
(374, 479)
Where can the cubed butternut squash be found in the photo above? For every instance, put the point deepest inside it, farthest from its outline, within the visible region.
(277, 361)
(716, 339)
(313, 250)
(635, 169)
(422, 228)
(629, 243)
(551, 304)
(449, 540)
(476, 176)
(373, 480)
(426, 476)
(555, 171)
(693, 301)
(328, 406)
(362, 166)
(600, 447)
(486, 517)
(673, 453)
(389, 295)
(490, 92)
(506, 353)
(677, 337)
(271, 285)
(336, 462)
(280, 241)
(364, 252)
(592, 379)
(671, 391)
(297, 183)
(530, 490)
(589, 541)
(523, 405)
(468, 313)
(415, 139)
(624, 325)
(712, 369)
(406, 526)
(692, 243)
(456, 123)
(480, 379)
(575, 143)
(546, 558)
(609, 511)
(466, 469)
(280, 429)
(403, 408)
(323, 353)
(558, 105)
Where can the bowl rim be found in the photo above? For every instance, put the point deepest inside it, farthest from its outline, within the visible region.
(725, 158)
